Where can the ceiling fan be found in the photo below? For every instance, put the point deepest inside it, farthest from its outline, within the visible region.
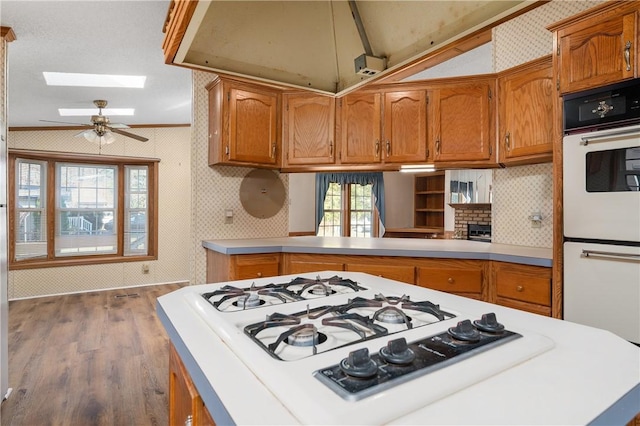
(102, 128)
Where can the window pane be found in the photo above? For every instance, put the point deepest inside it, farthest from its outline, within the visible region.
(136, 225)
(31, 226)
(86, 209)
(361, 212)
(331, 222)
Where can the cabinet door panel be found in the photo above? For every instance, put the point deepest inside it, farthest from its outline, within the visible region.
(256, 266)
(592, 52)
(527, 112)
(462, 122)
(360, 135)
(405, 126)
(252, 126)
(309, 129)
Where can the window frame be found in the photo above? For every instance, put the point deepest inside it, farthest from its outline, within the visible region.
(51, 158)
(345, 212)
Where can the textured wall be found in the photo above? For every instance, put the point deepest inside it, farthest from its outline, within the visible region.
(214, 189)
(519, 191)
(171, 146)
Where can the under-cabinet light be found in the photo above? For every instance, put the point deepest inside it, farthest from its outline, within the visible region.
(417, 168)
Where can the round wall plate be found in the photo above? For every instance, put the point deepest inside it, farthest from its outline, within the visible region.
(262, 193)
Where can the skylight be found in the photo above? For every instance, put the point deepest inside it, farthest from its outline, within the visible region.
(93, 80)
(81, 112)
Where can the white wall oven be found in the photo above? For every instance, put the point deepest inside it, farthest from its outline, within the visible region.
(601, 200)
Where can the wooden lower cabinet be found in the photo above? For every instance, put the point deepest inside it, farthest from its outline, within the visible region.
(402, 273)
(222, 267)
(463, 277)
(517, 286)
(185, 405)
(522, 287)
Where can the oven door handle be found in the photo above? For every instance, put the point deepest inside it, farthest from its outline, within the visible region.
(587, 253)
(587, 139)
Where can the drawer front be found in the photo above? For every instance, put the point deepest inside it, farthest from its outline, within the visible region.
(451, 280)
(256, 266)
(303, 267)
(526, 288)
(405, 274)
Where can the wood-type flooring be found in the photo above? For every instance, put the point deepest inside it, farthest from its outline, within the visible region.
(99, 358)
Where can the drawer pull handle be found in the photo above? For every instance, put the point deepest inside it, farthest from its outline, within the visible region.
(519, 288)
(450, 280)
(627, 55)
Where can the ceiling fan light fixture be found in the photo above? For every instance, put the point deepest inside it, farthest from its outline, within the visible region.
(105, 139)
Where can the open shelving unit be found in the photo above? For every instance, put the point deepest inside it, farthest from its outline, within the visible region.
(429, 201)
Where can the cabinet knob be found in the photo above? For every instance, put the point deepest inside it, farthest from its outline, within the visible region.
(450, 280)
(189, 420)
(259, 274)
(519, 288)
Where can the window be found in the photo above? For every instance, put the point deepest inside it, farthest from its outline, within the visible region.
(73, 209)
(349, 207)
(349, 204)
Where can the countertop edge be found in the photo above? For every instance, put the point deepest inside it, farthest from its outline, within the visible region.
(498, 254)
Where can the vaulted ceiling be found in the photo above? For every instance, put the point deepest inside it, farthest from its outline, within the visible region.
(314, 44)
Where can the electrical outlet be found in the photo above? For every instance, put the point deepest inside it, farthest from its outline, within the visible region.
(145, 268)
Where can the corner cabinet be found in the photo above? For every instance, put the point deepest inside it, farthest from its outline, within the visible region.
(429, 202)
(308, 129)
(384, 126)
(185, 405)
(526, 97)
(597, 47)
(463, 122)
(243, 124)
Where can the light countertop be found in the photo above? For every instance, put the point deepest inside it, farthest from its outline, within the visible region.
(403, 247)
(589, 376)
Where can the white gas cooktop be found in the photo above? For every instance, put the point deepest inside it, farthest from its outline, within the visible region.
(366, 353)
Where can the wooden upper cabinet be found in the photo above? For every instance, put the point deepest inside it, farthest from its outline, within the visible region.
(463, 122)
(243, 124)
(360, 139)
(526, 96)
(598, 47)
(405, 126)
(308, 129)
(384, 127)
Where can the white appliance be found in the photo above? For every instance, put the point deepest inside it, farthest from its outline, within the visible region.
(373, 349)
(601, 201)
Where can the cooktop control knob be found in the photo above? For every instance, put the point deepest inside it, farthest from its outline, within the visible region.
(465, 331)
(397, 352)
(489, 323)
(359, 364)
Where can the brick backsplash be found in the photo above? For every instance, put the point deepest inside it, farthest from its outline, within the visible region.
(473, 215)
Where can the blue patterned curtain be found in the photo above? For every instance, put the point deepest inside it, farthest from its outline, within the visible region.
(324, 179)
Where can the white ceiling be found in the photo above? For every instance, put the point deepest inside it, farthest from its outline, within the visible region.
(97, 37)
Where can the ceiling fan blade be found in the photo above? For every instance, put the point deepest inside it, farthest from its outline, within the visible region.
(118, 126)
(66, 122)
(129, 135)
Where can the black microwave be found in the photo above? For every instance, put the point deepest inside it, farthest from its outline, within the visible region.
(602, 108)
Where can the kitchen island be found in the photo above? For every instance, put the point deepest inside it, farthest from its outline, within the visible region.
(514, 276)
(556, 373)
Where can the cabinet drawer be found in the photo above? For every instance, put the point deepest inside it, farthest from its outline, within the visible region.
(405, 274)
(451, 280)
(524, 287)
(256, 266)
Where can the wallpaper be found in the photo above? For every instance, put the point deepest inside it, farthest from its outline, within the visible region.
(520, 191)
(171, 146)
(216, 189)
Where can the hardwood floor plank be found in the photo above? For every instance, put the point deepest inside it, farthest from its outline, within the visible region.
(88, 359)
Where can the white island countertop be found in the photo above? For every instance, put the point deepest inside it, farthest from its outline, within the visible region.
(403, 247)
(586, 376)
